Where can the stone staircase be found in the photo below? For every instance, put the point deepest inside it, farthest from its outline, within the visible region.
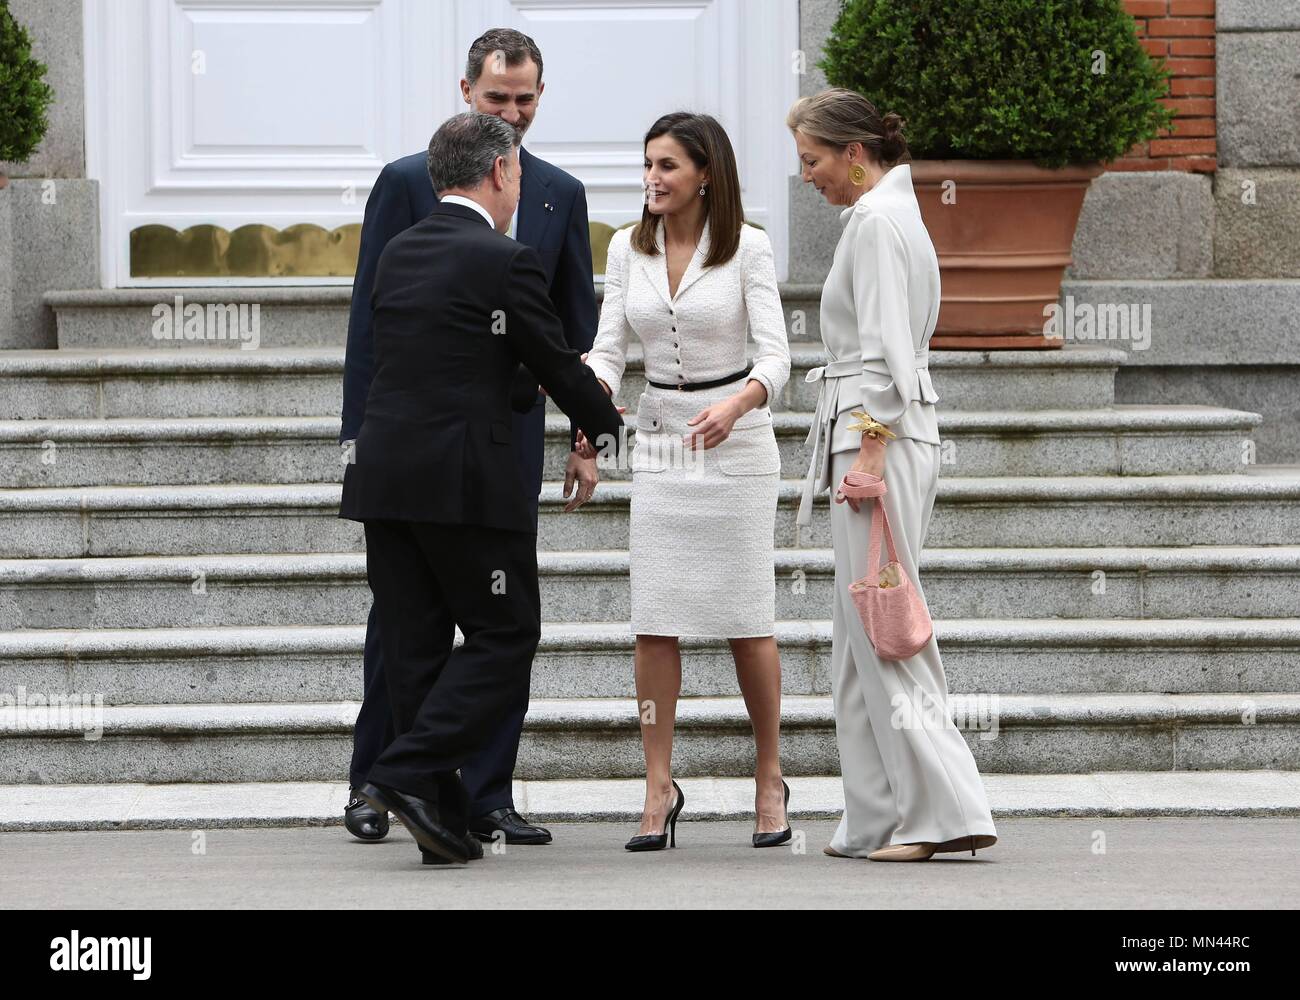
(1114, 588)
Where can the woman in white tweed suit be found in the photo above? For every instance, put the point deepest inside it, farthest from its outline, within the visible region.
(689, 280)
(911, 788)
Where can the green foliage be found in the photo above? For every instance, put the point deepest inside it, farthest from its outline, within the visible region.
(1002, 79)
(24, 95)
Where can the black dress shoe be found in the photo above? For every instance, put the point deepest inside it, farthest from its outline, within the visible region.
(472, 845)
(658, 841)
(776, 837)
(421, 817)
(362, 821)
(517, 829)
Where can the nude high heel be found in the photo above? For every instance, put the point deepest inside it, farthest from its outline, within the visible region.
(903, 852)
(924, 851)
(971, 841)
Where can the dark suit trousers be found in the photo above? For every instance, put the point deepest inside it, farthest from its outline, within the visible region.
(448, 701)
(487, 775)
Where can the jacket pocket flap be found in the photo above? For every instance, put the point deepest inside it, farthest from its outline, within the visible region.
(649, 413)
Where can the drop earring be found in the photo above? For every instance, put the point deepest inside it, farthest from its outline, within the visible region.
(703, 189)
(858, 174)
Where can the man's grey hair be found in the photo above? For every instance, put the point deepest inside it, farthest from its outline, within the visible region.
(466, 146)
(514, 46)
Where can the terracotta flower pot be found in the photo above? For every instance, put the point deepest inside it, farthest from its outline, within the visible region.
(1003, 231)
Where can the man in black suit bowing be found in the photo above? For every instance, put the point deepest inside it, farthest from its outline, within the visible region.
(503, 76)
(450, 540)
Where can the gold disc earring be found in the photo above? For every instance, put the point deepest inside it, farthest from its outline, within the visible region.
(858, 174)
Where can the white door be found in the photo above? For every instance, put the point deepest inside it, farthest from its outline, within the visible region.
(236, 140)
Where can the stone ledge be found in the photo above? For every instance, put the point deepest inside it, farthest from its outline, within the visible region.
(1259, 238)
(702, 714)
(1014, 633)
(1257, 15)
(340, 567)
(1114, 419)
(1203, 321)
(1156, 225)
(290, 804)
(955, 489)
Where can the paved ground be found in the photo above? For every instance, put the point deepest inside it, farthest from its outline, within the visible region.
(209, 805)
(1153, 863)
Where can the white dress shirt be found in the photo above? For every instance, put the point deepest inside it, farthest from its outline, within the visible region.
(455, 199)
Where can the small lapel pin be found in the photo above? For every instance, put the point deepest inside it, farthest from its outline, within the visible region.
(549, 207)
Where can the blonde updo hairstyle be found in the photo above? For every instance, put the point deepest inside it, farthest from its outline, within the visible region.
(837, 117)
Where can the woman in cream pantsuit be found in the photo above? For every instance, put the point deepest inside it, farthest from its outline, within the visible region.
(911, 788)
(690, 281)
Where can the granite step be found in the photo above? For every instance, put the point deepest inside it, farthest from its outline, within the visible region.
(600, 738)
(331, 588)
(285, 316)
(1116, 440)
(306, 382)
(1051, 511)
(1261, 507)
(1079, 378)
(314, 663)
(1191, 319)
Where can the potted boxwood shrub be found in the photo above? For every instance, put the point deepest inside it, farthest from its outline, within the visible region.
(1012, 107)
(24, 95)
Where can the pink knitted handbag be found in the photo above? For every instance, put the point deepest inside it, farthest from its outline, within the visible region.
(892, 612)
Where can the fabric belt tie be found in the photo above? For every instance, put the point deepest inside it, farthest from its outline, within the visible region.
(828, 396)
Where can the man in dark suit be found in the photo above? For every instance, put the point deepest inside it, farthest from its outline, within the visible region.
(450, 540)
(503, 77)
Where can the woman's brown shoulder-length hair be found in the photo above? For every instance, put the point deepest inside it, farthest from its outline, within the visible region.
(707, 144)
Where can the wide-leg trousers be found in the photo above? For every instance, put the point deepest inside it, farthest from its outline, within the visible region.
(909, 776)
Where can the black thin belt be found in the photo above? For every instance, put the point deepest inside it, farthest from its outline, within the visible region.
(693, 386)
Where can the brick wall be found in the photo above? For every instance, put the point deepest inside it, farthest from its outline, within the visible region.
(1182, 31)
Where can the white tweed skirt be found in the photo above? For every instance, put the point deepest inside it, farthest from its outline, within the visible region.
(702, 522)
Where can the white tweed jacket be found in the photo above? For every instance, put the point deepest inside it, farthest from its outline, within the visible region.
(700, 333)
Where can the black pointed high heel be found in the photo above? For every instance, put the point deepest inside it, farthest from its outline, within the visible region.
(774, 838)
(658, 841)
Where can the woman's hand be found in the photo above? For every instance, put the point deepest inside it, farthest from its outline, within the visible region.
(871, 460)
(712, 425)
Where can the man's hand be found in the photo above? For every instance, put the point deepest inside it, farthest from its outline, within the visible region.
(583, 472)
(584, 448)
